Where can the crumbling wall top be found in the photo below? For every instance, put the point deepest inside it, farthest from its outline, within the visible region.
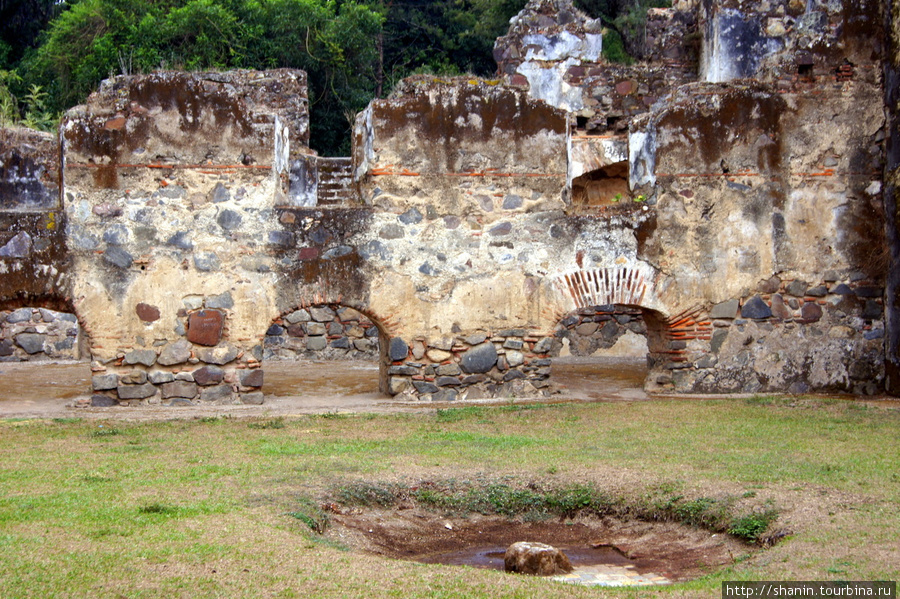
(463, 125)
(29, 170)
(191, 118)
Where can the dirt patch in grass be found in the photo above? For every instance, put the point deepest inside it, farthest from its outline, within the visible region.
(672, 550)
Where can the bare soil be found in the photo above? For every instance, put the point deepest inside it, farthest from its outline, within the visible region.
(50, 390)
(672, 550)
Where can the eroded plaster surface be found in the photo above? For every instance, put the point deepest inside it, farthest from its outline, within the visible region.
(735, 221)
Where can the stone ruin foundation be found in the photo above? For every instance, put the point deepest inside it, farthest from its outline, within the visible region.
(727, 207)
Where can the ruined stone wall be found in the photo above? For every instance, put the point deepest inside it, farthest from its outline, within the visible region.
(789, 41)
(32, 244)
(553, 51)
(33, 260)
(739, 224)
(171, 182)
(891, 205)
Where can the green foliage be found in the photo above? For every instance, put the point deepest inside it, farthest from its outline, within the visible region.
(752, 526)
(311, 514)
(9, 111)
(351, 51)
(37, 116)
(334, 43)
(443, 37)
(614, 48)
(532, 501)
(626, 20)
(368, 494)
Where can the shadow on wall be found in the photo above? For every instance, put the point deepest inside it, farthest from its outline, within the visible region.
(40, 334)
(322, 332)
(602, 331)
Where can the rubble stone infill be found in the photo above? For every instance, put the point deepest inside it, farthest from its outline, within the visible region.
(180, 374)
(597, 328)
(38, 334)
(326, 332)
(507, 363)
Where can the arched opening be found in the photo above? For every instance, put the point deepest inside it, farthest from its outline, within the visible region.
(325, 350)
(606, 351)
(47, 351)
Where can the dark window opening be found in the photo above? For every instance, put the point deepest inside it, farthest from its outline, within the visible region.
(607, 186)
(581, 122)
(805, 70)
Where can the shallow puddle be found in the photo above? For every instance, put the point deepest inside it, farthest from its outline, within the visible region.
(491, 557)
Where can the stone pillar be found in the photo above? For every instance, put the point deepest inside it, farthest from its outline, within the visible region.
(503, 363)
(170, 185)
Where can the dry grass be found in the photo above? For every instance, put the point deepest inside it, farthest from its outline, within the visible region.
(200, 508)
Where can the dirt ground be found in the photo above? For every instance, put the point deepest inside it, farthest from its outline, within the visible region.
(50, 390)
(675, 551)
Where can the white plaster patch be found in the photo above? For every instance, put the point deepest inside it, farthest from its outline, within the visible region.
(547, 84)
(642, 158)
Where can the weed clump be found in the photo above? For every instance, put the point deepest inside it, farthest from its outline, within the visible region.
(311, 514)
(105, 432)
(274, 423)
(536, 502)
(369, 494)
(752, 526)
(158, 508)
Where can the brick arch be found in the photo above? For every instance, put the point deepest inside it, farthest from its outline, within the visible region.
(638, 285)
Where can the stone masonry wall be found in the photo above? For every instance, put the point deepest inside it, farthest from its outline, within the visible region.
(170, 185)
(749, 234)
(38, 334)
(508, 363)
(788, 336)
(589, 331)
(322, 333)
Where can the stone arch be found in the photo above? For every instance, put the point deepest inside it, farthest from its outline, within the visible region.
(642, 287)
(386, 328)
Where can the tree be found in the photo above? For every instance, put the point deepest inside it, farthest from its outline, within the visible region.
(627, 22)
(21, 23)
(334, 43)
(447, 37)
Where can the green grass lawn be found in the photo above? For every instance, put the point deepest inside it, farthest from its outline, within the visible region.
(203, 508)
